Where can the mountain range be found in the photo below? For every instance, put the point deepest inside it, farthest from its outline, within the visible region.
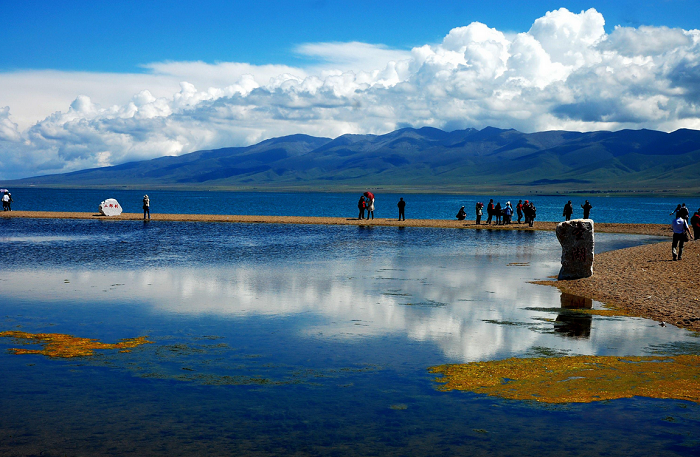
(424, 159)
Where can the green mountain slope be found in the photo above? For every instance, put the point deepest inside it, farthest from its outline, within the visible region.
(425, 159)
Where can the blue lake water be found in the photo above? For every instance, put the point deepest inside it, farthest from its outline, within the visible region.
(305, 340)
(419, 206)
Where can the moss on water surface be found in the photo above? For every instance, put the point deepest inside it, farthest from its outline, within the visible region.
(577, 379)
(67, 346)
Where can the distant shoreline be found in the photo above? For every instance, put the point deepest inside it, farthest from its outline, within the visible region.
(603, 227)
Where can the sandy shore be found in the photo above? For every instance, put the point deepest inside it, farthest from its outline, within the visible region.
(640, 229)
(641, 281)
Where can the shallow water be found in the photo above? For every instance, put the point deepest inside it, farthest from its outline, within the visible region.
(272, 339)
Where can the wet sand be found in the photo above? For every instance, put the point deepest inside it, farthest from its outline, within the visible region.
(641, 281)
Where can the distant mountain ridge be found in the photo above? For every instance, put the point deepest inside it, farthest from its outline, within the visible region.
(427, 158)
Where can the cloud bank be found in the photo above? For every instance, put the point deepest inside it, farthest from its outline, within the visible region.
(566, 72)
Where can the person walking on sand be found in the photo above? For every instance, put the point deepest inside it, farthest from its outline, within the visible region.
(489, 211)
(361, 207)
(146, 207)
(568, 211)
(479, 212)
(683, 212)
(402, 207)
(695, 222)
(681, 234)
(587, 210)
(519, 209)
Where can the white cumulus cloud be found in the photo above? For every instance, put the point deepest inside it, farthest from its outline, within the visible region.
(565, 72)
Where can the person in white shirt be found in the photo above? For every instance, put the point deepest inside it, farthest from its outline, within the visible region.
(680, 227)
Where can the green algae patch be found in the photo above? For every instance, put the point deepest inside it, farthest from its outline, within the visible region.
(67, 346)
(577, 379)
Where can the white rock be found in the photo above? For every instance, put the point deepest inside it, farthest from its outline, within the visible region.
(110, 207)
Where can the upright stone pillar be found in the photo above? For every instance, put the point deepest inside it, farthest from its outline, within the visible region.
(576, 239)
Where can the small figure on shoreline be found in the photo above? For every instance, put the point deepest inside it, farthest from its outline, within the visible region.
(507, 213)
(681, 234)
(402, 208)
(7, 201)
(370, 204)
(530, 213)
(519, 209)
(479, 212)
(361, 206)
(586, 210)
(498, 213)
(461, 214)
(695, 222)
(146, 207)
(489, 211)
(568, 211)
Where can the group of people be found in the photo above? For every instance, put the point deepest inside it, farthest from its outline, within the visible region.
(366, 204)
(503, 214)
(681, 229)
(569, 210)
(7, 201)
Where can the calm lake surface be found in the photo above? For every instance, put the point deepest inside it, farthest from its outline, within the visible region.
(418, 206)
(305, 340)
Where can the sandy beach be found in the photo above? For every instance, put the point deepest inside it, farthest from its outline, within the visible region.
(641, 281)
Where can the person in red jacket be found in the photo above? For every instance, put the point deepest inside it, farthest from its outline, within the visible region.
(695, 222)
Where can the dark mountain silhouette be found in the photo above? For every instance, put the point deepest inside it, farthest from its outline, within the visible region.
(424, 159)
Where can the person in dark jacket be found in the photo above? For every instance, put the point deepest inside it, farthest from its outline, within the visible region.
(586, 209)
(497, 212)
(461, 214)
(146, 207)
(361, 205)
(479, 211)
(402, 207)
(568, 211)
(695, 222)
(489, 211)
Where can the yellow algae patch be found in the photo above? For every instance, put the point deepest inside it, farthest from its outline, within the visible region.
(577, 379)
(60, 345)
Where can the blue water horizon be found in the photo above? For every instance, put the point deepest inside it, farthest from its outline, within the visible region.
(642, 210)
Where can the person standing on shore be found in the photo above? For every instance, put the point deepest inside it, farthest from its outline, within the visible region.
(519, 209)
(498, 213)
(489, 211)
(370, 207)
(568, 211)
(532, 214)
(681, 234)
(507, 213)
(146, 207)
(402, 207)
(361, 207)
(695, 222)
(479, 212)
(6, 201)
(586, 210)
(683, 212)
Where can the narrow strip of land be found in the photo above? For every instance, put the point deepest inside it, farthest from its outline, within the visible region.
(640, 229)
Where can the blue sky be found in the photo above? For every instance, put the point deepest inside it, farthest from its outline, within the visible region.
(94, 83)
(123, 35)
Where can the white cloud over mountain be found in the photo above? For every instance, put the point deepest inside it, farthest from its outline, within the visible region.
(566, 72)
